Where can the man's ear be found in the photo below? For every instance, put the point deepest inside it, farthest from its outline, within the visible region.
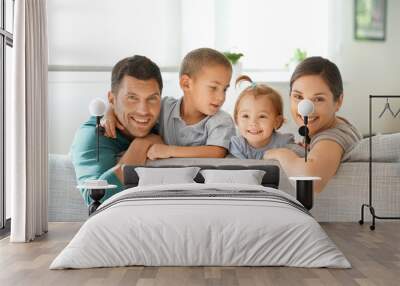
(185, 82)
(339, 103)
(111, 98)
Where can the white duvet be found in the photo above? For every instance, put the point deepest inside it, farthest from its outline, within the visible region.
(184, 230)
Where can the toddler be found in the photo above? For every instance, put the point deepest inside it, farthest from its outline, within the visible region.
(258, 114)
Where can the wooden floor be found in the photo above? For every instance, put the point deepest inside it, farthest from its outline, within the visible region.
(374, 255)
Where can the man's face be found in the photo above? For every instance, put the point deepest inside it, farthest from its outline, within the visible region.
(137, 105)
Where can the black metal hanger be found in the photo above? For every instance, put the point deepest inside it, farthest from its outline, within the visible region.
(397, 113)
(387, 107)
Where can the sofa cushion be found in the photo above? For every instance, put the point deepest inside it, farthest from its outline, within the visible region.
(385, 148)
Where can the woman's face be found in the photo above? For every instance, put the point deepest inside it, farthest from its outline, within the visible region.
(314, 88)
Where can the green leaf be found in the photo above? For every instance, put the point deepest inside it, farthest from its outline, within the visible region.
(233, 57)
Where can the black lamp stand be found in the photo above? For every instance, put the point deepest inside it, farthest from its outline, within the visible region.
(96, 195)
(305, 190)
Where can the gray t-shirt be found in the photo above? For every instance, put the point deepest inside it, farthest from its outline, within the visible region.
(240, 148)
(344, 133)
(214, 130)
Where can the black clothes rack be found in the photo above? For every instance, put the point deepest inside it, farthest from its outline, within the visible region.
(369, 205)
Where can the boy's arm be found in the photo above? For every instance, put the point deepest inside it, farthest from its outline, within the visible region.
(110, 123)
(162, 151)
(136, 154)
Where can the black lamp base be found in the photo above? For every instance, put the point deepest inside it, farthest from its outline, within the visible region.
(96, 195)
(304, 193)
(305, 190)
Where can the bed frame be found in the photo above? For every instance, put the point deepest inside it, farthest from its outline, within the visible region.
(271, 179)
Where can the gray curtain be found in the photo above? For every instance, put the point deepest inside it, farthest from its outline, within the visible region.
(28, 157)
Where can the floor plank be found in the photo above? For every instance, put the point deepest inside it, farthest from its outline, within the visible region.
(374, 255)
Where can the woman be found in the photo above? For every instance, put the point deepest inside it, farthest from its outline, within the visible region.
(332, 137)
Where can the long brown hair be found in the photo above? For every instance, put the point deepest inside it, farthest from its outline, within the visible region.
(257, 90)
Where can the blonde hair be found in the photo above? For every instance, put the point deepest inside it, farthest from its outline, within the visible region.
(258, 90)
(195, 60)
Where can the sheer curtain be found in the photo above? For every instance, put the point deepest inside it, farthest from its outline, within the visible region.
(28, 123)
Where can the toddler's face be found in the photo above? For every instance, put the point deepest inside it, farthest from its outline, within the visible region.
(314, 88)
(256, 119)
(208, 88)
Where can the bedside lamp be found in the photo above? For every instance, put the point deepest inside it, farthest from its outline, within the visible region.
(97, 188)
(305, 107)
(304, 185)
(97, 108)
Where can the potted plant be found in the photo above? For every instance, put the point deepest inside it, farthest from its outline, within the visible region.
(298, 56)
(233, 57)
(236, 64)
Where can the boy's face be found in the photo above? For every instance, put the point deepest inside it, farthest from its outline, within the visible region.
(137, 105)
(207, 88)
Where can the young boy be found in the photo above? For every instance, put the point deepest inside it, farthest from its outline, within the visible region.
(195, 125)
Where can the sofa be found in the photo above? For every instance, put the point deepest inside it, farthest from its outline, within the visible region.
(340, 201)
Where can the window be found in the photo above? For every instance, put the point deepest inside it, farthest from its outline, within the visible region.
(266, 31)
(6, 43)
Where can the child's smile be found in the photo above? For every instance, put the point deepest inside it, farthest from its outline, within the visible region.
(256, 120)
(254, 131)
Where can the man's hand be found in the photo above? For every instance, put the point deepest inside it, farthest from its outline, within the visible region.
(110, 122)
(159, 151)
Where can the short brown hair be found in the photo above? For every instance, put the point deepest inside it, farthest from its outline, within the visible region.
(138, 67)
(258, 90)
(195, 60)
(328, 71)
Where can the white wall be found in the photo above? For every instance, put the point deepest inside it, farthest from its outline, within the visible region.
(367, 67)
(100, 32)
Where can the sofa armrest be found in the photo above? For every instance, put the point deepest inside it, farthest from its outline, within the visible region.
(65, 201)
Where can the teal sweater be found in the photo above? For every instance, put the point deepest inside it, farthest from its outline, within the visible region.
(84, 157)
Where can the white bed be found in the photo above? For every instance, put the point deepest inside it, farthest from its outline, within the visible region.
(201, 224)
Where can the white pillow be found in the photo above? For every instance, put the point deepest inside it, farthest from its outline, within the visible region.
(163, 176)
(248, 177)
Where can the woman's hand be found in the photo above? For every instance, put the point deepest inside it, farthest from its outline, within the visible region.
(272, 154)
(110, 122)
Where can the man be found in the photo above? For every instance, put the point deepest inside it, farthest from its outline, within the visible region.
(135, 97)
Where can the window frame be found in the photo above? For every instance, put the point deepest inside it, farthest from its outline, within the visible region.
(6, 39)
